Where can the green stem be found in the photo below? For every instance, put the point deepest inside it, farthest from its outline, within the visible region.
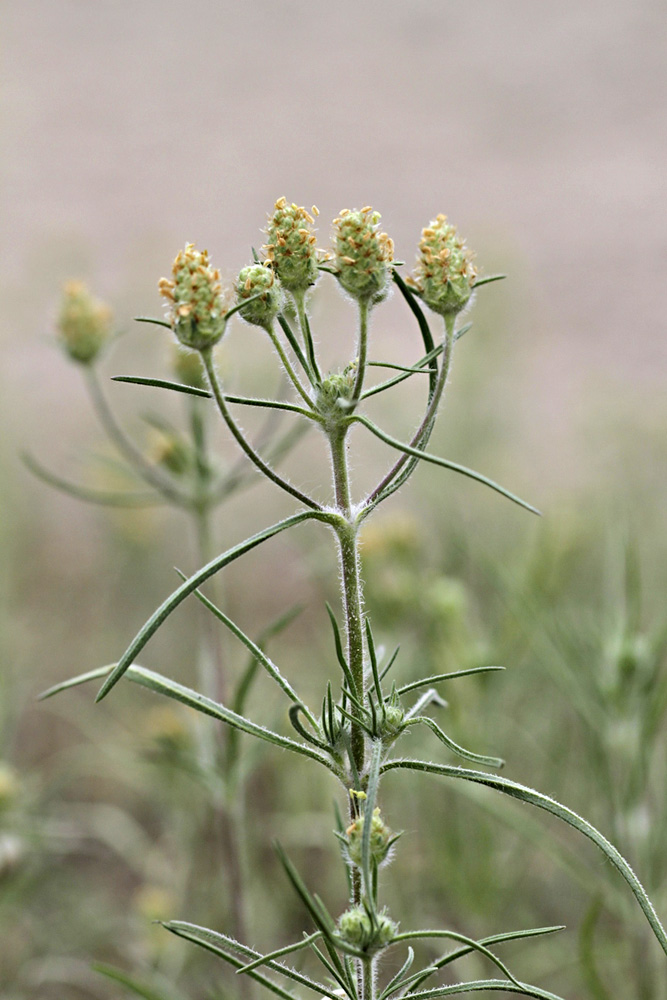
(292, 375)
(346, 529)
(304, 326)
(362, 351)
(126, 447)
(367, 979)
(241, 440)
(393, 480)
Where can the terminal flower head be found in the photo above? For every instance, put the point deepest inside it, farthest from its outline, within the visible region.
(363, 256)
(445, 273)
(196, 305)
(290, 249)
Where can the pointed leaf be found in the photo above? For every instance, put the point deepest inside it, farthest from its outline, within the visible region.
(161, 383)
(436, 678)
(443, 462)
(187, 588)
(541, 801)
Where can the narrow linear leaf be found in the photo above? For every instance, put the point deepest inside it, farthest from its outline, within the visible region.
(454, 747)
(476, 985)
(161, 383)
(153, 320)
(340, 655)
(452, 956)
(222, 944)
(463, 939)
(289, 949)
(436, 678)
(190, 585)
(436, 460)
(398, 978)
(369, 806)
(488, 279)
(230, 959)
(259, 654)
(525, 794)
(178, 692)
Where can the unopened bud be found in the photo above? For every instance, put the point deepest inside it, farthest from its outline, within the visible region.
(381, 838)
(356, 928)
(84, 323)
(258, 279)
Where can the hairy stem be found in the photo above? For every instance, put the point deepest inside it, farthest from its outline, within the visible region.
(241, 440)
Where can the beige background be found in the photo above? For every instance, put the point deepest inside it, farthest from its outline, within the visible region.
(130, 127)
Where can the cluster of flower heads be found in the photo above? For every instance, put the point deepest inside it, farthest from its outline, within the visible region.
(363, 256)
(197, 306)
(84, 323)
(445, 274)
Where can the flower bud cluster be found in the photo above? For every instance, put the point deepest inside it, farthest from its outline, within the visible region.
(258, 279)
(291, 248)
(335, 392)
(363, 256)
(380, 841)
(197, 308)
(84, 323)
(356, 928)
(445, 274)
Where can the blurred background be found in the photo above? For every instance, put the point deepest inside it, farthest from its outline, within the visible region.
(130, 129)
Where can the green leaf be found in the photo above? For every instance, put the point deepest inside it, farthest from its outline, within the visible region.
(463, 939)
(258, 653)
(454, 747)
(221, 944)
(452, 956)
(178, 929)
(487, 280)
(289, 949)
(396, 980)
(436, 460)
(424, 328)
(161, 383)
(485, 984)
(436, 678)
(187, 588)
(153, 320)
(133, 985)
(541, 801)
(340, 655)
(178, 692)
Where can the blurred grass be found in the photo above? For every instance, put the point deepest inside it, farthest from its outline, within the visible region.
(98, 801)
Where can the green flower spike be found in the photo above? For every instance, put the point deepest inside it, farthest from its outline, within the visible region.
(197, 309)
(84, 323)
(259, 279)
(445, 274)
(291, 246)
(363, 256)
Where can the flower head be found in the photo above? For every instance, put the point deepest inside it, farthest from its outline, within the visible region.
(290, 249)
(259, 280)
(363, 255)
(445, 274)
(84, 323)
(196, 304)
